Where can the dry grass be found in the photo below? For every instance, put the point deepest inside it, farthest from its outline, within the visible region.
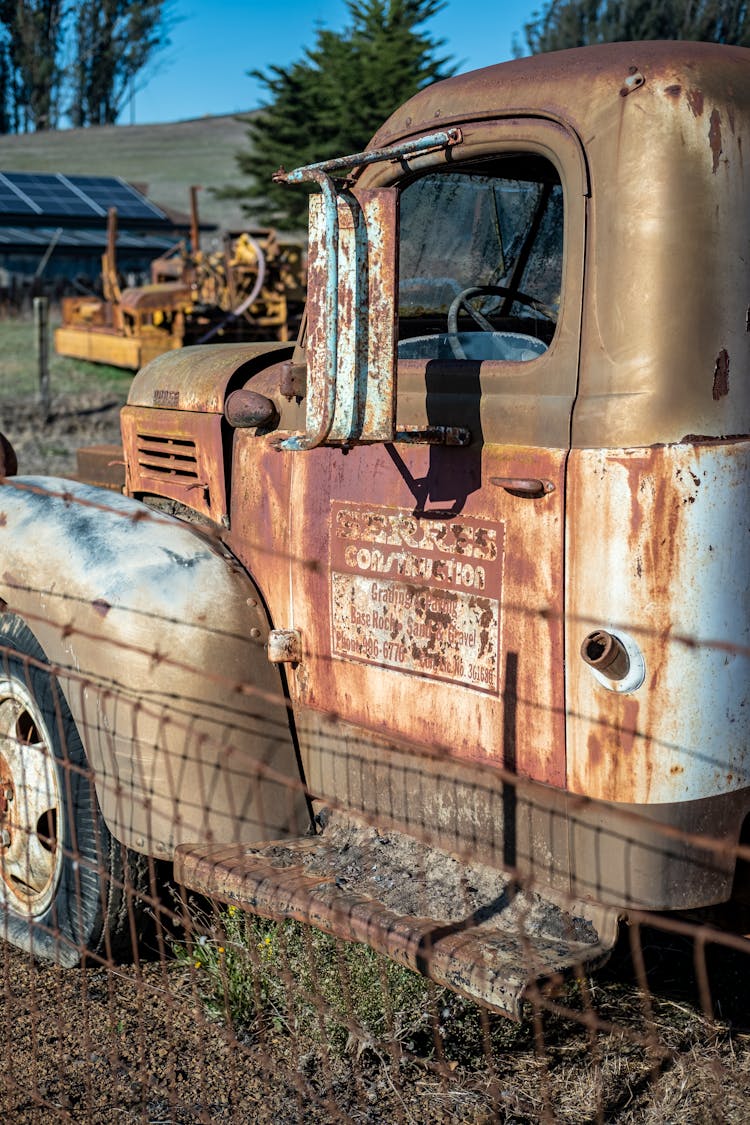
(165, 158)
(86, 400)
(600, 1050)
(19, 372)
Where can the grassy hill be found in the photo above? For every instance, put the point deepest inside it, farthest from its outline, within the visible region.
(165, 159)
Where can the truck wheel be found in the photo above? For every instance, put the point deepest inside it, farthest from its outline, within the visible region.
(63, 878)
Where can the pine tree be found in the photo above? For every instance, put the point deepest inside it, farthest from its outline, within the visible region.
(577, 23)
(332, 100)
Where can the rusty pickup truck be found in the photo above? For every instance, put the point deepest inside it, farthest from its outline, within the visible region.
(433, 628)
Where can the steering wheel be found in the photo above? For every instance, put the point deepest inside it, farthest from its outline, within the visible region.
(462, 299)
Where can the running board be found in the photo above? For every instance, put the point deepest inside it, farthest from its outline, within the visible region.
(469, 928)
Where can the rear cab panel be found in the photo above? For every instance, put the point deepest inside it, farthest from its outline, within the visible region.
(658, 509)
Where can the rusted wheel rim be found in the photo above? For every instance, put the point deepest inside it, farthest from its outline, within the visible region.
(31, 812)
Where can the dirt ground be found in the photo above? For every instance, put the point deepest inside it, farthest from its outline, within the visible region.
(131, 1045)
(48, 447)
(134, 1044)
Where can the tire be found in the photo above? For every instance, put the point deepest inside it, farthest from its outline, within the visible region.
(67, 888)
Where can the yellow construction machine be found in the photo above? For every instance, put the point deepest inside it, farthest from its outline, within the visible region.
(252, 288)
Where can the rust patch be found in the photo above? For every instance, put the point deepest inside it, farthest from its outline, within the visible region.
(674, 91)
(595, 750)
(629, 725)
(714, 138)
(3, 519)
(721, 375)
(706, 439)
(638, 471)
(695, 101)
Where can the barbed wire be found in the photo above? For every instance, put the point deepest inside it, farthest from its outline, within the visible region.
(128, 995)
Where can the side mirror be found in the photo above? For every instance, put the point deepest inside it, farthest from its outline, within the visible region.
(352, 304)
(352, 318)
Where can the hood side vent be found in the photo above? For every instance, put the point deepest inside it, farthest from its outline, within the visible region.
(160, 455)
(178, 455)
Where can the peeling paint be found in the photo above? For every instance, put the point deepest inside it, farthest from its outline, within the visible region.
(721, 375)
(714, 138)
(683, 598)
(695, 101)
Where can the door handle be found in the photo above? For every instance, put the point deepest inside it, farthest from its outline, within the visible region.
(532, 487)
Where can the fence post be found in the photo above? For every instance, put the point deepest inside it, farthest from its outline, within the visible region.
(41, 337)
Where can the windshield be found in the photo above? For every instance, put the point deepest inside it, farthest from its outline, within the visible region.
(500, 234)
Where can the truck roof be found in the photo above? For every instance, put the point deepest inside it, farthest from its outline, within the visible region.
(577, 85)
(663, 129)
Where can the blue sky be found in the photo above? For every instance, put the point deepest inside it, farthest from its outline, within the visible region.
(214, 44)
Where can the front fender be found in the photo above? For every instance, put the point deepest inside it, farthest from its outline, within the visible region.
(158, 640)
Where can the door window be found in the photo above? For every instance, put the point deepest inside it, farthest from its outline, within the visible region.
(481, 262)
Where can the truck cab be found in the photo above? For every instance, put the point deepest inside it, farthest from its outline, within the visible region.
(493, 506)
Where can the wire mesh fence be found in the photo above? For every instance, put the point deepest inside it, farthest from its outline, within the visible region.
(218, 905)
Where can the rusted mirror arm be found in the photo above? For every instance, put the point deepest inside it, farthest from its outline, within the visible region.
(321, 395)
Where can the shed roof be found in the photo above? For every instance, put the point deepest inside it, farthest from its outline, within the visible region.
(41, 198)
(18, 239)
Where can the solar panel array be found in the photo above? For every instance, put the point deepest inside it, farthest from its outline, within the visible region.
(52, 195)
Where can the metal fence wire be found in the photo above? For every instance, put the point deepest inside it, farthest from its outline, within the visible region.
(247, 982)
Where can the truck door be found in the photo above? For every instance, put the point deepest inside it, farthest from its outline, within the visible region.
(427, 572)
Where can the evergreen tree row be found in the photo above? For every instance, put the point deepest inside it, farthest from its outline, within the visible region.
(577, 23)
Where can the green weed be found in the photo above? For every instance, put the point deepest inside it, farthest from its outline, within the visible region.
(326, 993)
(19, 371)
